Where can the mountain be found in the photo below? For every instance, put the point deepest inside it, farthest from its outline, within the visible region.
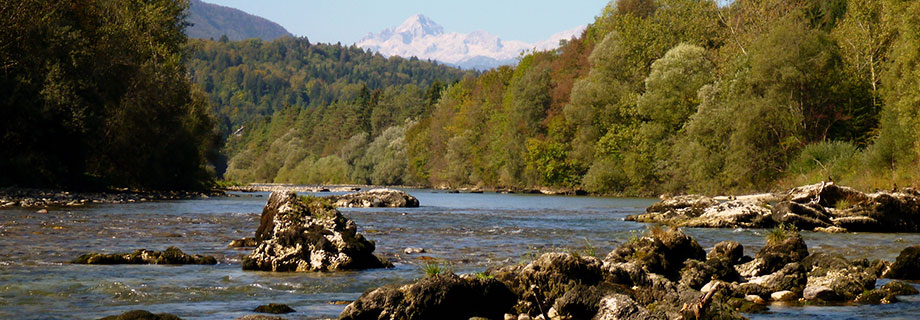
(211, 21)
(421, 37)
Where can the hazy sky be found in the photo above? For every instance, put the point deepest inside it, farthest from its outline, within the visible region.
(347, 21)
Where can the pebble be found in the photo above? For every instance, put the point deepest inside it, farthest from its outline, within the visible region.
(414, 250)
(42, 211)
(755, 299)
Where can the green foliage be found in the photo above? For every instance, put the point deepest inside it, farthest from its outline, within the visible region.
(656, 96)
(483, 276)
(434, 269)
(95, 94)
(831, 160)
(781, 233)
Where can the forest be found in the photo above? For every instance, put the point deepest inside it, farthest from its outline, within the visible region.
(654, 97)
(94, 94)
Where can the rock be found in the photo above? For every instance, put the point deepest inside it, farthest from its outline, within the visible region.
(876, 296)
(831, 229)
(755, 299)
(784, 295)
(444, 296)
(661, 251)
(259, 317)
(750, 213)
(42, 211)
(890, 211)
(787, 247)
(375, 198)
(142, 315)
(696, 274)
(906, 265)
(819, 293)
(731, 250)
(414, 250)
(791, 277)
(804, 216)
(845, 284)
(275, 308)
(900, 288)
(689, 205)
(308, 234)
(549, 277)
(620, 306)
(249, 242)
(171, 255)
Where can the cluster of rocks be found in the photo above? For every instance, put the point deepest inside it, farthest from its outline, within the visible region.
(171, 255)
(308, 234)
(824, 207)
(662, 275)
(375, 198)
(19, 197)
(269, 187)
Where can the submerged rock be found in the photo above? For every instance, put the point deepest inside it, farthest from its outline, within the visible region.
(249, 242)
(275, 308)
(375, 198)
(171, 255)
(907, 265)
(308, 234)
(142, 315)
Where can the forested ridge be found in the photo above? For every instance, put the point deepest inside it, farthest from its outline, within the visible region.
(655, 96)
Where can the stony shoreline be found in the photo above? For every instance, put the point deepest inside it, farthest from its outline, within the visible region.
(822, 207)
(44, 198)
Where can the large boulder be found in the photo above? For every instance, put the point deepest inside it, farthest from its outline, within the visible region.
(747, 213)
(783, 247)
(621, 306)
(375, 198)
(549, 278)
(731, 250)
(688, 205)
(804, 216)
(832, 277)
(662, 251)
(444, 296)
(907, 265)
(309, 234)
(171, 255)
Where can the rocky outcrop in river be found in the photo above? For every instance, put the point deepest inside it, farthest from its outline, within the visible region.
(308, 234)
(820, 207)
(171, 255)
(38, 198)
(664, 274)
(375, 198)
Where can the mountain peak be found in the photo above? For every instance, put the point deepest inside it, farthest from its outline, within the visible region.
(419, 26)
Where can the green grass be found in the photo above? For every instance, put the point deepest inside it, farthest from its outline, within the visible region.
(435, 268)
(781, 233)
(483, 276)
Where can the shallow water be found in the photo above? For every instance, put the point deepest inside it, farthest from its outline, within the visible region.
(466, 232)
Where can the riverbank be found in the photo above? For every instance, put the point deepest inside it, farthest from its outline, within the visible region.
(43, 198)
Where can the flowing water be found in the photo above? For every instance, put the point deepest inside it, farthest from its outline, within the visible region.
(464, 232)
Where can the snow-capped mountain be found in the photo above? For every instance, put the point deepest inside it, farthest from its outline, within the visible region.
(421, 37)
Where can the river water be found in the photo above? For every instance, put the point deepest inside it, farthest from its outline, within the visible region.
(463, 232)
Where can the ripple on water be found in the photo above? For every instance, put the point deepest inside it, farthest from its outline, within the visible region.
(468, 232)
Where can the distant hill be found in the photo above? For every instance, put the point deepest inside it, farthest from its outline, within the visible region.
(211, 21)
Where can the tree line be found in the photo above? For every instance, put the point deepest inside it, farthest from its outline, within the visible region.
(670, 96)
(95, 94)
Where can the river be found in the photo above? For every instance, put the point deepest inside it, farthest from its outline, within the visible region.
(463, 232)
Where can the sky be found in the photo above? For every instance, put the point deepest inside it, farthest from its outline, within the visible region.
(347, 21)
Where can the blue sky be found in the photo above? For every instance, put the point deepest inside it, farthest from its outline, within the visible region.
(347, 21)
